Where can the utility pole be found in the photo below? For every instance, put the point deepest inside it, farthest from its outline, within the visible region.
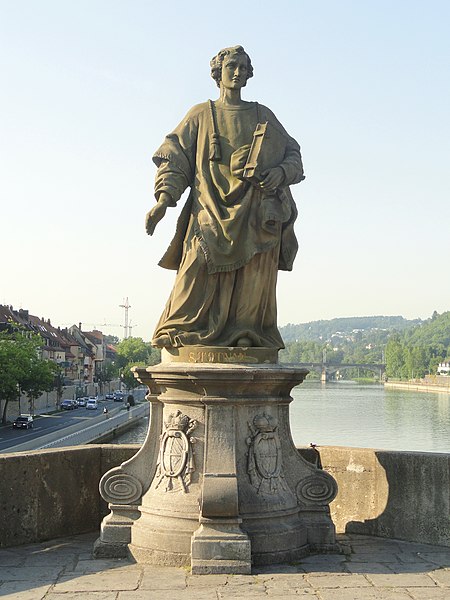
(130, 328)
(125, 306)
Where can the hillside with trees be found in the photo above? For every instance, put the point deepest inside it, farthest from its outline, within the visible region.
(417, 351)
(410, 348)
(322, 330)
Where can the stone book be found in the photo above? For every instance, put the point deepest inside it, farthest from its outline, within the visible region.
(266, 152)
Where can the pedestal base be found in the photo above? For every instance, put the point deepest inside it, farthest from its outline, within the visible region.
(220, 547)
(220, 484)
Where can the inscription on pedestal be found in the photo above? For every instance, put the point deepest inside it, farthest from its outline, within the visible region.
(220, 354)
(214, 356)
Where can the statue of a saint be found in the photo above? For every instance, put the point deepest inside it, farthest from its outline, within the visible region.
(235, 231)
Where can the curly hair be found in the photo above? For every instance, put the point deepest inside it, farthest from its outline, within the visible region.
(216, 63)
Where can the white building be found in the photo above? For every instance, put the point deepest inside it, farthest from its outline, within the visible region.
(443, 368)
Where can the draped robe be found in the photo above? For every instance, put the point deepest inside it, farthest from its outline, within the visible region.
(231, 237)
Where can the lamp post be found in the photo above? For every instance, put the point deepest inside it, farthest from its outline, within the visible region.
(120, 378)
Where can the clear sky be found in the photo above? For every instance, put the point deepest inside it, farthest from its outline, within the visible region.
(90, 88)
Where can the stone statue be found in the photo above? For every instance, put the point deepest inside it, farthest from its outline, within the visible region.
(218, 483)
(236, 229)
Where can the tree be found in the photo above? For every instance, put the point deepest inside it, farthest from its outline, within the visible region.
(132, 350)
(39, 378)
(105, 375)
(128, 378)
(395, 361)
(21, 368)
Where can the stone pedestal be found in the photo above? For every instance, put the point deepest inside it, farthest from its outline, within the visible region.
(218, 482)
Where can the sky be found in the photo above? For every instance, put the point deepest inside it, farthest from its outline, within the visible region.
(90, 89)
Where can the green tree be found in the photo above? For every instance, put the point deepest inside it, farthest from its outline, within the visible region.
(128, 378)
(132, 350)
(39, 378)
(21, 368)
(106, 374)
(395, 361)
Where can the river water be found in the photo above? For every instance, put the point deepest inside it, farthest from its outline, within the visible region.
(362, 416)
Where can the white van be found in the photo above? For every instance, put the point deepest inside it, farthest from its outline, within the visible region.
(91, 404)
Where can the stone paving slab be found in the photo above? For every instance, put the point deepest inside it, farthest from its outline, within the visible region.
(442, 577)
(410, 567)
(24, 590)
(204, 594)
(364, 594)
(402, 580)
(344, 580)
(364, 568)
(10, 559)
(80, 596)
(367, 569)
(429, 593)
(30, 573)
(439, 558)
(168, 578)
(111, 580)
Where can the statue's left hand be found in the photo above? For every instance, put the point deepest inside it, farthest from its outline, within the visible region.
(273, 178)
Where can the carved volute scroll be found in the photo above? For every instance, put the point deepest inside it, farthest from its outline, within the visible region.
(318, 489)
(118, 487)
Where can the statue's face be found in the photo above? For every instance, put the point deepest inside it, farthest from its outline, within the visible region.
(234, 71)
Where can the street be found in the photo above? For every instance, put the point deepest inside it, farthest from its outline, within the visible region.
(47, 423)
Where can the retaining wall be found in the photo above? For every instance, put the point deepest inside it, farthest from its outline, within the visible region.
(48, 494)
(422, 385)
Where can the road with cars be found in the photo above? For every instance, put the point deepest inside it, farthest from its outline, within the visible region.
(47, 423)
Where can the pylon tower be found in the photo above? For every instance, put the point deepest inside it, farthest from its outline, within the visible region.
(126, 328)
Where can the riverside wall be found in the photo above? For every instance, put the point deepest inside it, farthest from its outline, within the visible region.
(435, 386)
(47, 494)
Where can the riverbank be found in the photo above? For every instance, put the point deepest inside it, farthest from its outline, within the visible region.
(420, 385)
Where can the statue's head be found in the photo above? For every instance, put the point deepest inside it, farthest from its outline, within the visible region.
(217, 62)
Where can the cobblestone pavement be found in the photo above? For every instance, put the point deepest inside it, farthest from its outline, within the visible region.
(368, 569)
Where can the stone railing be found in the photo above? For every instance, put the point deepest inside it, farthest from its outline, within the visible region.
(47, 494)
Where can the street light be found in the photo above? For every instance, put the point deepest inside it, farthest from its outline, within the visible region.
(120, 378)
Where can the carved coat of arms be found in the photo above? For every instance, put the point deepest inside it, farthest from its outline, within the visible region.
(176, 458)
(264, 465)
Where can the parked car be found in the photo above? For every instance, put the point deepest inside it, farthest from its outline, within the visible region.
(23, 422)
(68, 405)
(82, 401)
(92, 404)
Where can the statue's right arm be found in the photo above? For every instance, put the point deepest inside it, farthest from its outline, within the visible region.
(154, 216)
(175, 160)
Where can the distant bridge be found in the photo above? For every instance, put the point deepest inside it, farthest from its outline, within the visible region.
(326, 369)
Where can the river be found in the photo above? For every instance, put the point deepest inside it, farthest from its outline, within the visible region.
(362, 416)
